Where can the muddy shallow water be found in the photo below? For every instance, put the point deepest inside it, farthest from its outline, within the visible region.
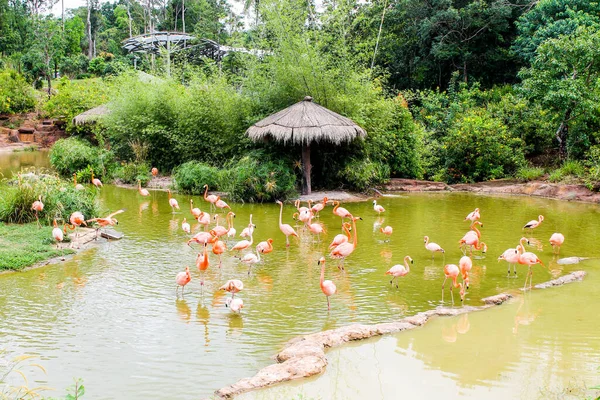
(110, 315)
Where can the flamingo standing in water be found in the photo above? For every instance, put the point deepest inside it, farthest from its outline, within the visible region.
(304, 213)
(398, 270)
(473, 215)
(202, 263)
(78, 186)
(317, 208)
(251, 259)
(182, 279)
(154, 172)
(95, 181)
(265, 247)
(38, 206)
(142, 192)
(528, 258)
(465, 264)
(218, 230)
(471, 238)
(432, 247)
(204, 219)
(388, 230)
(556, 240)
(246, 232)
(345, 249)
(534, 223)
(76, 219)
(511, 256)
(212, 199)
(202, 238)
(106, 221)
(327, 287)
(185, 226)
(235, 305)
(286, 229)
(378, 209)
(340, 211)
(221, 204)
(219, 248)
(172, 202)
(231, 230)
(233, 286)
(243, 244)
(339, 238)
(195, 211)
(316, 228)
(452, 271)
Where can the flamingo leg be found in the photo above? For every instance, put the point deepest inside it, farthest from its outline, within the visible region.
(328, 307)
(287, 241)
(444, 284)
(515, 269)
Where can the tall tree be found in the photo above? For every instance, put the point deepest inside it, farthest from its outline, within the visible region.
(44, 54)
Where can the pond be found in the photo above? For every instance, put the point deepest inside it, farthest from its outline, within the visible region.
(110, 315)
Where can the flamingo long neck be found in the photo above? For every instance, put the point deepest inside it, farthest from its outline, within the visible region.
(522, 242)
(322, 273)
(280, 214)
(309, 204)
(92, 176)
(426, 241)
(324, 202)
(455, 282)
(355, 233)
(168, 191)
(217, 218)
(251, 236)
(270, 244)
(336, 204)
(347, 232)
(206, 192)
(257, 252)
(75, 179)
(474, 229)
(406, 265)
(191, 204)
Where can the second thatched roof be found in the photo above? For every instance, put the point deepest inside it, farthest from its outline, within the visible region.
(305, 122)
(91, 116)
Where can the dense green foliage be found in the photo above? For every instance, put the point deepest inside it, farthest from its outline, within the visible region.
(69, 156)
(60, 199)
(24, 245)
(132, 172)
(15, 94)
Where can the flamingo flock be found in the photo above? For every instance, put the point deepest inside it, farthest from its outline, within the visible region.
(342, 246)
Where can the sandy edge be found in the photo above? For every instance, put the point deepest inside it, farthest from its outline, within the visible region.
(304, 355)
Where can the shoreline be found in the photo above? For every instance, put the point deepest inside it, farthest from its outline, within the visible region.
(304, 355)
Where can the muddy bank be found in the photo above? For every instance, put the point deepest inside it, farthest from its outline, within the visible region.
(156, 183)
(503, 186)
(304, 356)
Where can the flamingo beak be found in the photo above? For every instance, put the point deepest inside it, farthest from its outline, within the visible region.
(412, 262)
(319, 262)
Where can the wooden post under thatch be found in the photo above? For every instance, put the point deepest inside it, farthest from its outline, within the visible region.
(306, 123)
(306, 168)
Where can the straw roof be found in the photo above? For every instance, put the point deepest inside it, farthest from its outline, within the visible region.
(91, 116)
(304, 122)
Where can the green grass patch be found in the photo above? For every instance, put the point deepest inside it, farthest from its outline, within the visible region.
(24, 245)
(526, 174)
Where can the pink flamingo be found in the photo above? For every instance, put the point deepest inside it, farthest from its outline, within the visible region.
(185, 226)
(172, 202)
(96, 182)
(57, 234)
(231, 230)
(473, 215)
(286, 229)
(452, 271)
(212, 199)
(432, 247)
(388, 230)
(345, 249)
(182, 279)
(218, 248)
(204, 219)
(195, 211)
(78, 186)
(235, 305)
(378, 209)
(201, 238)
(511, 256)
(340, 211)
(246, 232)
(154, 171)
(233, 286)
(316, 228)
(38, 206)
(556, 240)
(398, 270)
(339, 238)
(528, 258)
(142, 192)
(250, 259)
(243, 244)
(465, 264)
(265, 247)
(202, 263)
(327, 287)
(534, 223)
(218, 230)
(221, 204)
(317, 208)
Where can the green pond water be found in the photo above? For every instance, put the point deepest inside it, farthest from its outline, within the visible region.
(110, 316)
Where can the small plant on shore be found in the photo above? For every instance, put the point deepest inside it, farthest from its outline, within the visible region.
(526, 174)
(193, 175)
(570, 169)
(69, 156)
(363, 174)
(132, 172)
(12, 366)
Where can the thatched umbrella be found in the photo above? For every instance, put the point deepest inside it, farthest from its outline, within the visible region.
(304, 123)
(91, 116)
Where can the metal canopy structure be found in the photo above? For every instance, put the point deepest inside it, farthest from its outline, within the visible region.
(152, 43)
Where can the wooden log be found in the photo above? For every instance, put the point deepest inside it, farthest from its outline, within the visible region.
(306, 167)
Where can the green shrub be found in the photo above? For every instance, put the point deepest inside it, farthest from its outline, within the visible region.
(527, 174)
(59, 197)
(556, 176)
(361, 174)
(479, 147)
(569, 169)
(255, 179)
(193, 175)
(592, 161)
(69, 156)
(15, 94)
(97, 66)
(133, 172)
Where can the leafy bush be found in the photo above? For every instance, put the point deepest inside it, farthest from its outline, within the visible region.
(570, 169)
(527, 174)
(132, 172)
(478, 148)
(362, 174)
(59, 197)
(97, 66)
(192, 176)
(255, 179)
(15, 94)
(69, 156)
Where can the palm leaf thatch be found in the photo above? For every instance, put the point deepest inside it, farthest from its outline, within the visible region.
(303, 123)
(91, 116)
